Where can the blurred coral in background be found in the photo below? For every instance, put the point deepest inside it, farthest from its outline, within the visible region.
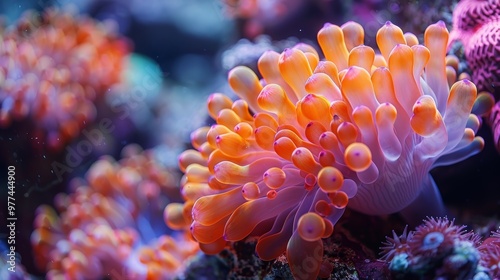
(111, 224)
(54, 67)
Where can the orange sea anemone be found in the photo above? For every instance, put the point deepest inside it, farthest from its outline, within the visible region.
(357, 129)
(53, 67)
(112, 226)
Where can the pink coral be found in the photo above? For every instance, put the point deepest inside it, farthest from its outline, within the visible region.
(477, 25)
(53, 67)
(494, 121)
(112, 224)
(358, 129)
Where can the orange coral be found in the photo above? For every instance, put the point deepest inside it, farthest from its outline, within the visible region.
(112, 224)
(53, 67)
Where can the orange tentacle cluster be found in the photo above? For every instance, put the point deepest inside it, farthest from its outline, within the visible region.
(359, 129)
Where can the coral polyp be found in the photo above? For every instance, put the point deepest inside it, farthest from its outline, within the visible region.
(358, 129)
(53, 67)
(435, 249)
(435, 237)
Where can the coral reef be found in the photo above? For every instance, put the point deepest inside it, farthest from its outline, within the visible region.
(112, 224)
(358, 129)
(317, 145)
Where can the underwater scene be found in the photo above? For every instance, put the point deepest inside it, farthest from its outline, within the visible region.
(249, 139)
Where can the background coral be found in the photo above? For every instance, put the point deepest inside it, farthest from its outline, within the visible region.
(435, 249)
(54, 66)
(476, 24)
(113, 224)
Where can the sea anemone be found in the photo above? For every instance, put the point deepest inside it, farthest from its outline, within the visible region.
(53, 67)
(111, 225)
(357, 129)
(436, 248)
(435, 237)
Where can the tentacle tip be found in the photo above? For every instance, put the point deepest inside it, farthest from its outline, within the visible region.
(286, 55)
(311, 227)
